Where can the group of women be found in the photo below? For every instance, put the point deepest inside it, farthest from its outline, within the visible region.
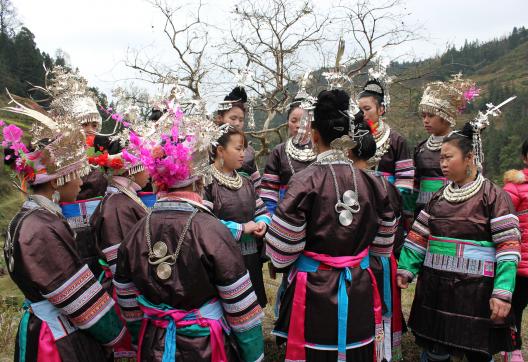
(178, 273)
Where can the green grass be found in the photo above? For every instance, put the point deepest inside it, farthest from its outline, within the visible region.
(11, 300)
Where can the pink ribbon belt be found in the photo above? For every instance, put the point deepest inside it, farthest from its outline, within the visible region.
(310, 262)
(209, 315)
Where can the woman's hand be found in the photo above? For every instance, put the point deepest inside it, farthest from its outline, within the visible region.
(261, 229)
(250, 227)
(403, 282)
(499, 309)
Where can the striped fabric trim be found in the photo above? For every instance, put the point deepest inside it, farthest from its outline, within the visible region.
(285, 247)
(270, 186)
(256, 180)
(287, 231)
(82, 299)
(279, 259)
(126, 299)
(236, 289)
(261, 212)
(460, 264)
(240, 304)
(506, 235)
(71, 286)
(406, 274)
(385, 234)
(267, 194)
(501, 294)
(110, 253)
(94, 313)
(246, 321)
(404, 172)
(380, 251)
(419, 234)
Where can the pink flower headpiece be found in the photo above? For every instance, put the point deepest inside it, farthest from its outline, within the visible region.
(176, 149)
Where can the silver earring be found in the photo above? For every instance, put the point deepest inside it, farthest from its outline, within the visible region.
(55, 197)
(221, 163)
(468, 171)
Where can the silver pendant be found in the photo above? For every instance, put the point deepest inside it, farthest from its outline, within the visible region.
(11, 263)
(163, 271)
(159, 249)
(350, 198)
(345, 217)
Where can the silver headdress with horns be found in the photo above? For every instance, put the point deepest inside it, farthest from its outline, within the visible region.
(63, 157)
(70, 96)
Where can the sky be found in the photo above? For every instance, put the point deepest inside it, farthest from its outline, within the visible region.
(97, 34)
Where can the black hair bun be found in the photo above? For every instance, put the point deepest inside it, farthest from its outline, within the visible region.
(331, 104)
(238, 94)
(374, 86)
(468, 131)
(155, 114)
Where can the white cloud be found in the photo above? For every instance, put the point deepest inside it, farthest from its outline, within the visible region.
(97, 33)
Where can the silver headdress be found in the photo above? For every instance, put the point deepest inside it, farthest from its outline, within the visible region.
(479, 124)
(70, 96)
(63, 156)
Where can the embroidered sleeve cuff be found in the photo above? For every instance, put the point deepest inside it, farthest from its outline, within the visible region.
(502, 295)
(235, 228)
(264, 218)
(406, 274)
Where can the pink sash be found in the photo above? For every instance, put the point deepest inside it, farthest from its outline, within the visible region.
(295, 348)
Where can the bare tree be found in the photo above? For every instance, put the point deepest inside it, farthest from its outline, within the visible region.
(8, 18)
(189, 42)
(372, 26)
(274, 42)
(270, 36)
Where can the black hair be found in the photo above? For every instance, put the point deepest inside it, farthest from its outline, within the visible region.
(293, 106)
(463, 139)
(226, 137)
(330, 114)
(366, 144)
(155, 114)
(374, 89)
(239, 98)
(524, 148)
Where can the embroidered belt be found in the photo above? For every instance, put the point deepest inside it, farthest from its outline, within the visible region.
(461, 256)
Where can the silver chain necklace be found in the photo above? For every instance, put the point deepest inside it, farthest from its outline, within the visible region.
(158, 253)
(382, 138)
(350, 201)
(132, 195)
(456, 195)
(231, 182)
(434, 143)
(301, 155)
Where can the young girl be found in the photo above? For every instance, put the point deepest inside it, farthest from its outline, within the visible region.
(324, 227)
(287, 158)
(233, 199)
(393, 158)
(441, 104)
(232, 111)
(464, 245)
